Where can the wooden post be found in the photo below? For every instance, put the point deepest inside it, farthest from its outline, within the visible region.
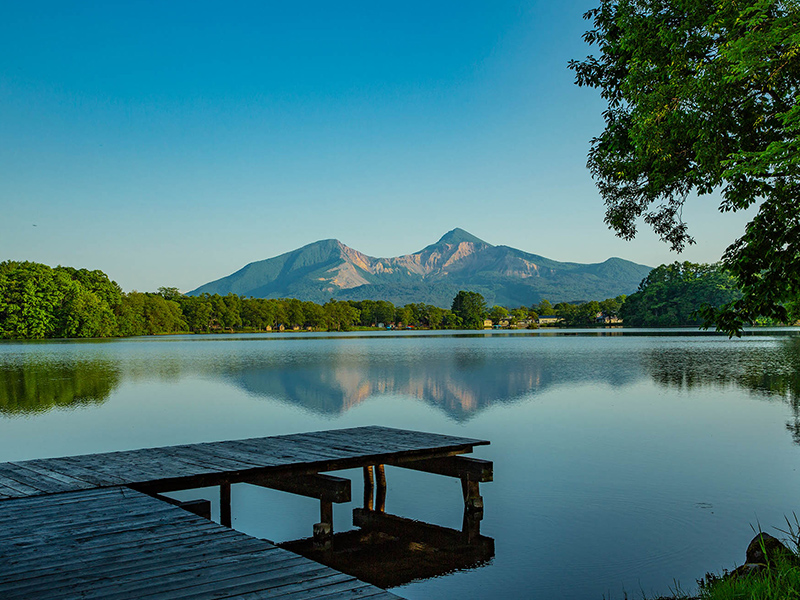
(380, 495)
(471, 527)
(473, 501)
(323, 531)
(225, 504)
(473, 509)
(369, 485)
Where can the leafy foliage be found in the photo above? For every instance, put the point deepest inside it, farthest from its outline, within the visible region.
(470, 309)
(703, 96)
(672, 295)
(37, 301)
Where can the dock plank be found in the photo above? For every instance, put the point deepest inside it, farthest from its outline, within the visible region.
(72, 481)
(43, 483)
(166, 553)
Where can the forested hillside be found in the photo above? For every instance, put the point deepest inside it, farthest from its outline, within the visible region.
(38, 301)
(672, 294)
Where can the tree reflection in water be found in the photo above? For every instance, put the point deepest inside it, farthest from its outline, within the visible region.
(772, 372)
(35, 387)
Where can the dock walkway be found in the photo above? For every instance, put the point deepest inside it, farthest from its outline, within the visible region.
(93, 526)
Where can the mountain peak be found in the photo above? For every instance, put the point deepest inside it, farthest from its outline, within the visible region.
(458, 261)
(458, 235)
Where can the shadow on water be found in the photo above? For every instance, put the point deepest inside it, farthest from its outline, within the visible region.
(36, 387)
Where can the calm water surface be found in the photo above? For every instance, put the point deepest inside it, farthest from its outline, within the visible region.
(622, 462)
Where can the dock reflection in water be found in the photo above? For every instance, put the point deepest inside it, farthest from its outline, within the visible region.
(388, 550)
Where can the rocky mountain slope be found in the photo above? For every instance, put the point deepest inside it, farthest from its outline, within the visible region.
(434, 275)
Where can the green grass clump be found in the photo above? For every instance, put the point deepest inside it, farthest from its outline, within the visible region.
(778, 581)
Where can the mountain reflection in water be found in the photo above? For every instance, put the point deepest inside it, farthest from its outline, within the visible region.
(461, 381)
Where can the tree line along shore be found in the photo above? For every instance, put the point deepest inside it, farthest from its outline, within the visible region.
(38, 301)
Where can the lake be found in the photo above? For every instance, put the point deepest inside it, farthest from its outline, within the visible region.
(624, 460)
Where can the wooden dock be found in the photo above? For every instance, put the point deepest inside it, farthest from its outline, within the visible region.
(94, 526)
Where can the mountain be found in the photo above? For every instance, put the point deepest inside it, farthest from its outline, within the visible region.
(434, 275)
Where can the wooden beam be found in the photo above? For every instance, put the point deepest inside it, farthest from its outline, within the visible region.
(199, 507)
(462, 467)
(319, 486)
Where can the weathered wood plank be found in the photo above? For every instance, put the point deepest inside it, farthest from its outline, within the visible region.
(76, 466)
(286, 451)
(108, 565)
(322, 588)
(229, 451)
(105, 545)
(187, 580)
(170, 540)
(43, 483)
(96, 526)
(20, 489)
(73, 482)
(351, 588)
(9, 492)
(205, 458)
(266, 582)
(26, 506)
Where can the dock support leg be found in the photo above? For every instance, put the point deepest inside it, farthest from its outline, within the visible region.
(369, 485)
(473, 509)
(323, 531)
(380, 494)
(225, 504)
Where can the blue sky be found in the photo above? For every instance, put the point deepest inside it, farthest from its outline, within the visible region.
(171, 143)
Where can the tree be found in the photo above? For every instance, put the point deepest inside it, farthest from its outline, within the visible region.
(402, 316)
(315, 315)
(610, 307)
(568, 312)
(544, 308)
(497, 314)
(340, 315)
(169, 293)
(82, 314)
(384, 311)
(470, 307)
(703, 96)
(671, 295)
(197, 312)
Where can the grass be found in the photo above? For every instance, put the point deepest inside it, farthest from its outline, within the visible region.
(778, 580)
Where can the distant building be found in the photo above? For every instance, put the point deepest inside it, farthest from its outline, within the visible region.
(549, 320)
(608, 320)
